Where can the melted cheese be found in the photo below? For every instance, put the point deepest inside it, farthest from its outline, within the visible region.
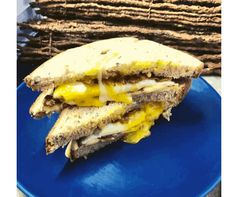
(138, 133)
(98, 94)
(139, 127)
(106, 92)
(135, 128)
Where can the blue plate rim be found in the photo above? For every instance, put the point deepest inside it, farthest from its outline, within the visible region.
(210, 188)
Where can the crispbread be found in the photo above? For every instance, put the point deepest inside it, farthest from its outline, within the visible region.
(113, 57)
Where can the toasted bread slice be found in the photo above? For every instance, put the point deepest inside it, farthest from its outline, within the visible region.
(74, 122)
(113, 58)
(40, 108)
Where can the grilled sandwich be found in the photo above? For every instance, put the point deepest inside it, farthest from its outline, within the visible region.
(109, 90)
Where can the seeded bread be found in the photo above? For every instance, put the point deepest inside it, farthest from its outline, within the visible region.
(40, 109)
(74, 123)
(113, 57)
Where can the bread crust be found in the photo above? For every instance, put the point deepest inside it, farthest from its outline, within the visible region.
(78, 151)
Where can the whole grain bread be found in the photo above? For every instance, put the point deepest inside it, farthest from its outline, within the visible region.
(77, 122)
(39, 107)
(113, 57)
(74, 123)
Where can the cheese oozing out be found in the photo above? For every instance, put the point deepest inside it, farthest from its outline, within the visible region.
(82, 94)
(135, 128)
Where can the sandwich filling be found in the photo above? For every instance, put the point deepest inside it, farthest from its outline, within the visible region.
(82, 94)
(134, 128)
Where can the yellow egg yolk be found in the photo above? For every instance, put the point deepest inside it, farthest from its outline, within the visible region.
(140, 122)
(82, 94)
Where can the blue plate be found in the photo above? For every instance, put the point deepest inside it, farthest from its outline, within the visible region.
(181, 158)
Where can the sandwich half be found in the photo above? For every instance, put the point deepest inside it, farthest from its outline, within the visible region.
(79, 122)
(101, 88)
(88, 130)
